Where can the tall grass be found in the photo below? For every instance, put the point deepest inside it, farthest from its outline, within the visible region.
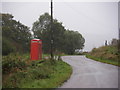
(106, 54)
(20, 72)
(113, 62)
(60, 73)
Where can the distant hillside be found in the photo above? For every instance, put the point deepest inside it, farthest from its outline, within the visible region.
(106, 54)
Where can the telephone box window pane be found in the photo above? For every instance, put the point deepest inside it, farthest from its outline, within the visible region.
(34, 41)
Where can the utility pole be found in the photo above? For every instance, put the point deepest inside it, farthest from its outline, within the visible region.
(51, 29)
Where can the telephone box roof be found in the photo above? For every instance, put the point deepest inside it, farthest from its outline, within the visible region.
(36, 40)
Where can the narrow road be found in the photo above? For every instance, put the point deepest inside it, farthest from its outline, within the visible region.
(88, 73)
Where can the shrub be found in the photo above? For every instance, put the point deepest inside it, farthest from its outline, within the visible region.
(13, 63)
(7, 47)
(19, 72)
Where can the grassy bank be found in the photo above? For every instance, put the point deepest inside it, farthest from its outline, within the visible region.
(20, 72)
(105, 54)
(103, 60)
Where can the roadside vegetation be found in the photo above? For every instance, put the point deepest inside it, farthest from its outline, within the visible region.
(64, 40)
(20, 72)
(107, 54)
(16, 36)
(17, 69)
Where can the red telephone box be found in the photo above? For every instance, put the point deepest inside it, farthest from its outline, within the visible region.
(36, 49)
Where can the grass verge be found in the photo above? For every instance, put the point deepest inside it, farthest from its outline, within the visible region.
(61, 72)
(20, 72)
(113, 62)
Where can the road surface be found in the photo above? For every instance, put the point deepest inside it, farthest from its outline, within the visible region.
(88, 73)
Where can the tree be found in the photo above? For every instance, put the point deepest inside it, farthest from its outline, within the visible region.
(73, 40)
(14, 34)
(63, 40)
(41, 29)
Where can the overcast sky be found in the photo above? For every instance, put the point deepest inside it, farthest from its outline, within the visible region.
(96, 21)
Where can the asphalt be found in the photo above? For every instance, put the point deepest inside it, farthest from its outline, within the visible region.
(88, 73)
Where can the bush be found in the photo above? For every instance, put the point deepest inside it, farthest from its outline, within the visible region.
(19, 72)
(107, 54)
(12, 63)
(7, 47)
(17, 68)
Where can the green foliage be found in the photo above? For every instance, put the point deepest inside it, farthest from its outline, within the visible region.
(12, 63)
(7, 47)
(14, 34)
(73, 40)
(113, 62)
(60, 73)
(65, 41)
(106, 54)
(20, 72)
